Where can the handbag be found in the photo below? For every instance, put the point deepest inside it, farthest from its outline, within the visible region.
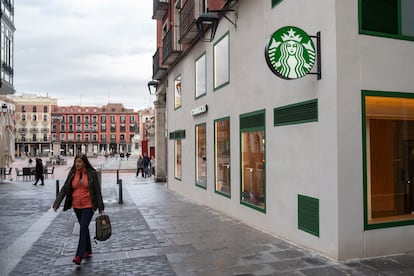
(103, 228)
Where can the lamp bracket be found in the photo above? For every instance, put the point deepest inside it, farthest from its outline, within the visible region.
(318, 72)
(222, 12)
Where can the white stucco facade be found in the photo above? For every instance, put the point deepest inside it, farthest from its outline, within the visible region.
(321, 159)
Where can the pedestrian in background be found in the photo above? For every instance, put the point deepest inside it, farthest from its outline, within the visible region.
(146, 162)
(140, 166)
(39, 172)
(83, 193)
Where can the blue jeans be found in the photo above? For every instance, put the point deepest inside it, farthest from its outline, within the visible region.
(84, 218)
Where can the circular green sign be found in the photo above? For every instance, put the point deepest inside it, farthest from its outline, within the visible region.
(290, 53)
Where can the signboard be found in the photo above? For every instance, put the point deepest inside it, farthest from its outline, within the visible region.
(199, 110)
(290, 53)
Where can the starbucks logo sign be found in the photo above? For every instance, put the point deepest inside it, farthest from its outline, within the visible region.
(290, 53)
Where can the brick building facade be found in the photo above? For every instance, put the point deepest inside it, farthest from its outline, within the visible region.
(43, 128)
(93, 130)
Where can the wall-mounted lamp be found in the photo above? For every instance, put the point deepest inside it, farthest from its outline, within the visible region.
(152, 85)
(207, 21)
(210, 20)
(4, 108)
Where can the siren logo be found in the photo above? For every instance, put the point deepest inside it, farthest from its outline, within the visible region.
(290, 53)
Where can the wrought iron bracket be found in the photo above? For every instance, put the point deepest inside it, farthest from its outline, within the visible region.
(318, 72)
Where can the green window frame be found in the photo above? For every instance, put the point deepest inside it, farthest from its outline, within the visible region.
(221, 62)
(222, 158)
(201, 155)
(200, 76)
(387, 18)
(178, 167)
(388, 158)
(252, 160)
(275, 2)
(177, 136)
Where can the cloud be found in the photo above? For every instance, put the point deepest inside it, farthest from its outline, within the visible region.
(85, 51)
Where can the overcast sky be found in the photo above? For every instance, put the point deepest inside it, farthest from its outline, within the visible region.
(87, 52)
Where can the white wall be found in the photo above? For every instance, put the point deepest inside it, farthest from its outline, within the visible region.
(364, 63)
(301, 159)
(320, 159)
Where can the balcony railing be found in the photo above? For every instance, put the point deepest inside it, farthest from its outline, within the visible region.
(160, 8)
(34, 129)
(188, 16)
(45, 129)
(171, 50)
(30, 140)
(158, 70)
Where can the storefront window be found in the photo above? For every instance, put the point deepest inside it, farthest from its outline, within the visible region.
(177, 92)
(201, 157)
(200, 74)
(385, 17)
(253, 159)
(222, 156)
(221, 62)
(389, 158)
(177, 159)
(177, 136)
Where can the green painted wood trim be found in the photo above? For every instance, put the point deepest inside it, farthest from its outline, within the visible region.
(250, 125)
(275, 3)
(252, 120)
(215, 88)
(380, 34)
(215, 152)
(205, 75)
(198, 184)
(308, 214)
(178, 134)
(365, 93)
(297, 113)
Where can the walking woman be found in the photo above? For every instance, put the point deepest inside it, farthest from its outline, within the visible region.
(83, 193)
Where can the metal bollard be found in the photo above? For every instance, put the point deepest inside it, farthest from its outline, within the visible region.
(57, 187)
(120, 191)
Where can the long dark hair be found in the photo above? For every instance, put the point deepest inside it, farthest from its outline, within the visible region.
(85, 161)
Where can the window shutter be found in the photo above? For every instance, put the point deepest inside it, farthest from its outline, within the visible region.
(308, 214)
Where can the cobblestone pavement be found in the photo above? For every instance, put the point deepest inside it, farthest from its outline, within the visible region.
(155, 232)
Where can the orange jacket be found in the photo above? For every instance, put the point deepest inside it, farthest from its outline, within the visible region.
(81, 197)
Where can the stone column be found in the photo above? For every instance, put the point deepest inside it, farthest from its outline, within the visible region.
(160, 139)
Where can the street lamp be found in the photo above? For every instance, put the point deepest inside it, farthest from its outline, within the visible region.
(4, 108)
(154, 85)
(207, 21)
(210, 20)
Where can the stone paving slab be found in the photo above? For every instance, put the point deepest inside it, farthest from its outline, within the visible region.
(156, 232)
(52, 253)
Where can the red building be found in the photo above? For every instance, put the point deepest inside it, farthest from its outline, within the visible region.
(93, 130)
